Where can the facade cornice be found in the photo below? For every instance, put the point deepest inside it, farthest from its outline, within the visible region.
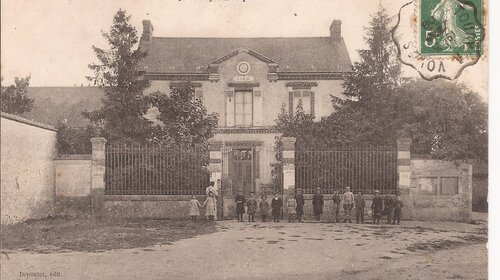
(246, 130)
(318, 76)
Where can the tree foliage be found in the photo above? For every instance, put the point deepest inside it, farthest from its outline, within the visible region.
(122, 115)
(15, 98)
(444, 119)
(183, 118)
(71, 140)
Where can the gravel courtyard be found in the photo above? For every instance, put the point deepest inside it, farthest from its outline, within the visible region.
(414, 250)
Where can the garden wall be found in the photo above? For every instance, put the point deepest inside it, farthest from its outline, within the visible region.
(27, 169)
(73, 185)
(440, 190)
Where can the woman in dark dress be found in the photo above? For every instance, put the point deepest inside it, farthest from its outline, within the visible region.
(299, 197)
(240, 205)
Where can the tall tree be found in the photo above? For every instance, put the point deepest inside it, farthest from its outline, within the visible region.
(122, 115)
(183, 118)
(360, 116)
(15, 98)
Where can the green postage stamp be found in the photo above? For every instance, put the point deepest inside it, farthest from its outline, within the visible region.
(439, 38)
(451, 27)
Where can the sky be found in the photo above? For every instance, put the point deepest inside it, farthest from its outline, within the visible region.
(53, 39)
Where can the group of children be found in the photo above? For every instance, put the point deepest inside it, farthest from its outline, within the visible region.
(388, 206)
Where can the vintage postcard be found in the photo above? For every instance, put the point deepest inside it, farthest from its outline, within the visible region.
(245, 139)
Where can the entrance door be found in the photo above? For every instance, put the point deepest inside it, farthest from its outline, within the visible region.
(241, 170)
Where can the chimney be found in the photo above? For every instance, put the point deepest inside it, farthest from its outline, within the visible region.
(335, 30)
(147, 33)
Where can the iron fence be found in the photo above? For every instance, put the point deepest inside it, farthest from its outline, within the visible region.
(363, 170)
(155, 170)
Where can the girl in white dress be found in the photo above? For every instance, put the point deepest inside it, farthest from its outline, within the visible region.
(194, 210)
(211, 204)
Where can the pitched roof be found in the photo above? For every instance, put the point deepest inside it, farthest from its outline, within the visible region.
(53, 104)
(192, 55)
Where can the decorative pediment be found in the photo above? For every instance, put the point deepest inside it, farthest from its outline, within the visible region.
(234, 53)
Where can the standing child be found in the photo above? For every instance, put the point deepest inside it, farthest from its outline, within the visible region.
(398, 205)
(348, 200)
(264, 207)
(377, 207)
(388, 206)
(210, 202)
(252, 207)
(336, 206)
(240, 205)
(291, 204)
(299, 197)
(276, 204)
(194, 210)
(318, 203)
(359, 202)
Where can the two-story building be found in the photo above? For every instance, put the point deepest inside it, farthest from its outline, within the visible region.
(247, 81)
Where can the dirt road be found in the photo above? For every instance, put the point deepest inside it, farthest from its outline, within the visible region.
(416, 250)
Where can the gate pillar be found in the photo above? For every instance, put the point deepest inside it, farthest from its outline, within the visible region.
(97, 171)
(215, 163)
(404, 174)
(288, 160)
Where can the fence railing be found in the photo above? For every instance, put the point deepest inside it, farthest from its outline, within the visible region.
(154, 170)
(365, 170)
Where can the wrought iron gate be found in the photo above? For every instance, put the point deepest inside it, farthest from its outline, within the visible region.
(361, 169)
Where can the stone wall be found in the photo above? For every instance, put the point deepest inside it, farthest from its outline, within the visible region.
(149, 206)
(27, 169)
(72, 183)
(440, 190)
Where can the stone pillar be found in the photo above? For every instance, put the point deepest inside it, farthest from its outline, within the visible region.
(215, 163)
(97, 175)
(288, 160)
(404, 175)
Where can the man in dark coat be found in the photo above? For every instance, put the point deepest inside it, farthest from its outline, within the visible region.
(359, 202)
(299, 197)
(388, 207)
(240, 205)
(377, 207)
(276, 204)
(337, 199)
(318, 203)
(398, 205)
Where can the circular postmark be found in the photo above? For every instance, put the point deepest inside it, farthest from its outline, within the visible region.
(440, 38)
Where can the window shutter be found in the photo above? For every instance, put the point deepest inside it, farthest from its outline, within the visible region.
(229, 107)
(290, 103)
(257, 107)
(313, 113)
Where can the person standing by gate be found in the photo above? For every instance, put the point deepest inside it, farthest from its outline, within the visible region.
(398, 205)
(252, 207)
(336, 206)
(240, 205)
(212, 188)
(210, 202)
(377, 206)
(263, 207)
(318, 203)
(359, 202)
(299, 198)
(194, 210)
(388, 206)
(348, 199)
(291, 204)
(276, 204)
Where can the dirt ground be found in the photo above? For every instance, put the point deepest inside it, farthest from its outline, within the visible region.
(414, 250)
